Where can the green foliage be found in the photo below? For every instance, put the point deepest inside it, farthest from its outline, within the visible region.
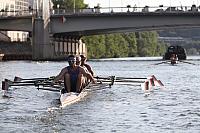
(124, 45)
(69, 4)
(110, 46)
(132, 44)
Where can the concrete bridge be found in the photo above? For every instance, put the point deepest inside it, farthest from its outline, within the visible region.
(88, 24)
(94, 24)
(73, 26)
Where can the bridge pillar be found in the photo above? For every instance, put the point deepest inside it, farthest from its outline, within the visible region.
(41, 47)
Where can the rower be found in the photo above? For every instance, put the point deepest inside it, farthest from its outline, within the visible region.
(173, 59)
(83, 78)
(72, 76)
(83, 63)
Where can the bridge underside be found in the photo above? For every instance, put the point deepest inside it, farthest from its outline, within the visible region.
(86, 24)
(79, 34)
(16, 23)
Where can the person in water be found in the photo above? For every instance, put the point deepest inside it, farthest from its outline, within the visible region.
(72, 76)
(87, 66)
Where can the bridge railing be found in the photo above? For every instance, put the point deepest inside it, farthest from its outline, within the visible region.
(128, 8)
(97, 9)
(4, 13)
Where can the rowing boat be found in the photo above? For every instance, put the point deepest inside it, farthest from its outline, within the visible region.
(72, 97)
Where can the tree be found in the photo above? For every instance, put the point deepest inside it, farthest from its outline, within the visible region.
(95, 46)
(68, 5)
(110, 45)
(121, 46)
(132, 44)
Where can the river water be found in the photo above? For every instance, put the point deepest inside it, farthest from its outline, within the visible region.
(119, 109)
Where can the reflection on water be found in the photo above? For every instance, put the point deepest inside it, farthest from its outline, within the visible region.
(120, 108)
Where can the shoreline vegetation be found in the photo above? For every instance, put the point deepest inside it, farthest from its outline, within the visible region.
(138, 44)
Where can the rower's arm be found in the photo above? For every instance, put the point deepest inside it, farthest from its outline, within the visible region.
(60, 75)
(90, 69)
(87, 74)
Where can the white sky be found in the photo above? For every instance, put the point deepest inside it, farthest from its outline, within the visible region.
(141, 3)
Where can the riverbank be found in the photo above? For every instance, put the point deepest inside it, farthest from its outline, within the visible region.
(15, 51)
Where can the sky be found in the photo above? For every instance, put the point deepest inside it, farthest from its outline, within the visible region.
(140, 3)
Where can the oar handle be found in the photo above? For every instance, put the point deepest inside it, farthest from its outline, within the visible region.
(48, 89)
(97, 77)
(129, 81)
(29, 79)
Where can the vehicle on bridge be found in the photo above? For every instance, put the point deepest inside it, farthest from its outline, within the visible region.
(178, 50)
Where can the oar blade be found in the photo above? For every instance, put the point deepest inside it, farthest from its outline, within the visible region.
(8, 81)
(159, 83)
(156, 81)
(5, 85)
(17, 79)
(187, 62)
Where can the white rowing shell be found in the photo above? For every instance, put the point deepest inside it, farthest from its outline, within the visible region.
(70, 98)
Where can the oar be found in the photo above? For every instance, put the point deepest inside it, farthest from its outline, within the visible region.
(121, 78)
(32, 79)
(116, 78)
(152, 80)
(48, 89)
(134, 79)
(187, 62)
(129, 84)
(99, 77)
(161, 63)
(129, 81)
(7, 84)
(157, 82)
(19, 82)
(34, 83)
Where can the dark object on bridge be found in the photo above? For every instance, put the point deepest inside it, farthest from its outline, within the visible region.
(178, 50)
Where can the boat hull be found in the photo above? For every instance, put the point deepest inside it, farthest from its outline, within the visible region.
(72, 97)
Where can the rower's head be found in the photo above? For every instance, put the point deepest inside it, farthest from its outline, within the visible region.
(71, 60)
(83, 58)
(78, 60)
